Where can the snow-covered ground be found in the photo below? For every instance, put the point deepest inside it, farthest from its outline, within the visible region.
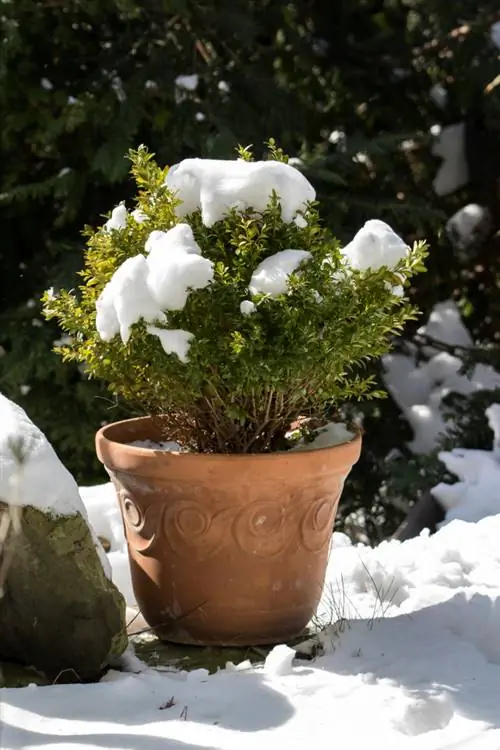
(411, 658)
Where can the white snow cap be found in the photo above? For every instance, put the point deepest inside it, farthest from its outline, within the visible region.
(216, 186)
(272, 274)
(118, 219)
(125, 299)
(375, 245)
(143, 288)
(176, 266)
(247, 307)
(174, 341)
(179, 238)
(45, 483)
(42, 481)
(453, 172)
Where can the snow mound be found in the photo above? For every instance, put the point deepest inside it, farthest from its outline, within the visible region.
(247, 307)
(272, 275)
(475, 495)
(117, 220)
(175, 266)
(375, 245)
(142, 288)
(217, 186)
(125, 299)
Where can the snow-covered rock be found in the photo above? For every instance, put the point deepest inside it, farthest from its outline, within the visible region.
(58, 577)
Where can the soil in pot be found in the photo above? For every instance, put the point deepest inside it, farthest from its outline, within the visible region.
(225, 550)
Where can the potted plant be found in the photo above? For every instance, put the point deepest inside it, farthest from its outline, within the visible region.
(231, 318)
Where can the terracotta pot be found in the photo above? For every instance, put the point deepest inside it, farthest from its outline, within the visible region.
(225, 549)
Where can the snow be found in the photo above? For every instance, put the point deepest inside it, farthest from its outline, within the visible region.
(139, 215)
(495, 34)
(409, 660)
(216, 186)
(338, 138)
(334, 433)
(187, 82)
(445, 325)
(273, 273)
(419, 389)
(468, 225)
(439, 95)
(375, 245)
(125, 299)
(279, 661)
(493, 416)
(475, 495)
(247, 307)
(31, 473)
(453, 173)
(41, 481)
(176, 266)
(169, 446)
(142, 288)
(175, 341)
(118, 219)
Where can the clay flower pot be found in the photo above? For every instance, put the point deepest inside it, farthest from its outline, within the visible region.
(225, 549)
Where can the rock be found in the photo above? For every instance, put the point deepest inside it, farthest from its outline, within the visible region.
(59, 613)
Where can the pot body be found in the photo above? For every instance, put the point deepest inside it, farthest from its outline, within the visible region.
(225, 549)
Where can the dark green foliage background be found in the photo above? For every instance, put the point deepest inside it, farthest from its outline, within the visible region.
(295, 71)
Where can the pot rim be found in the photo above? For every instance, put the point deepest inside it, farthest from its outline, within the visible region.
(102, 438)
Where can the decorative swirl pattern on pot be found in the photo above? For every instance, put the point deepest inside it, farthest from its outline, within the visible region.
(192, 531)
(261, 529)
(140, 526)
(316, 526)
